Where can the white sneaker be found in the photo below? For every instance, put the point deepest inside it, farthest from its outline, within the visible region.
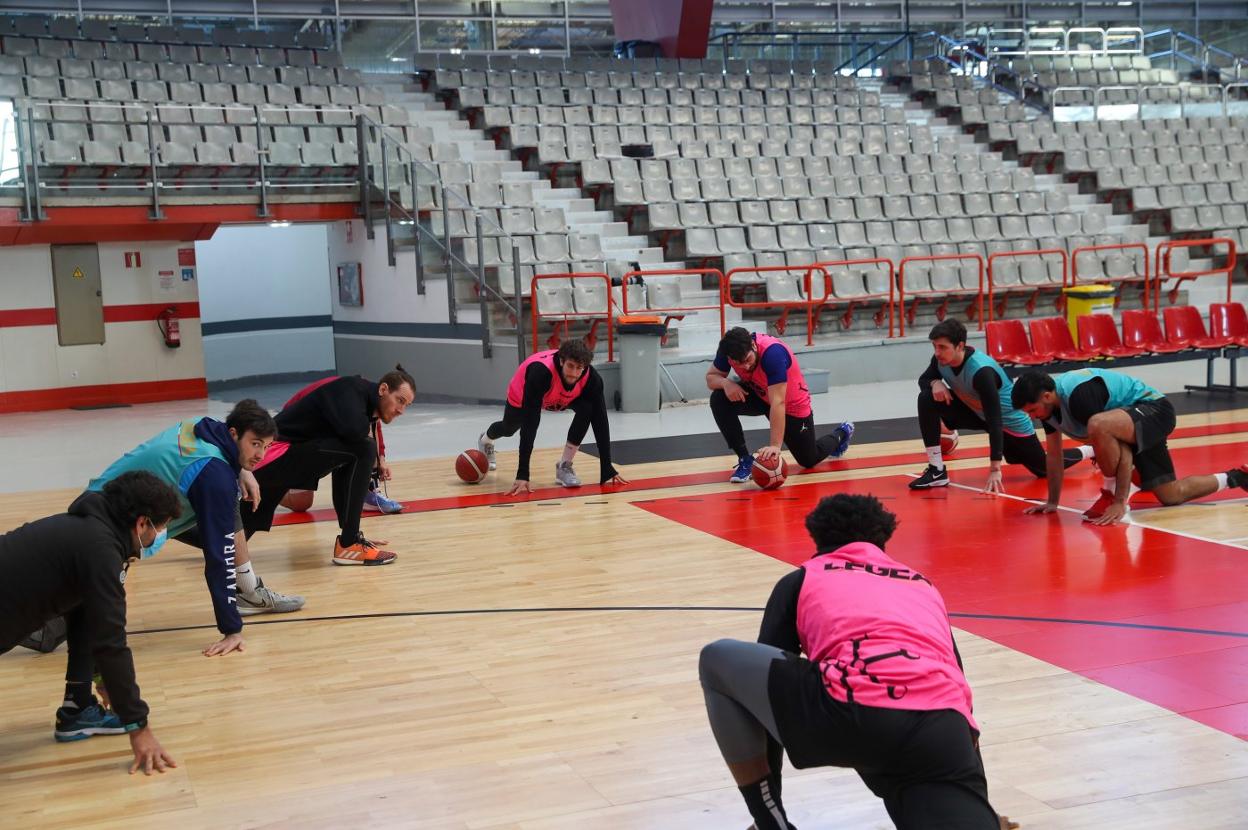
(487, 449)
(565, 475)
(267, 601)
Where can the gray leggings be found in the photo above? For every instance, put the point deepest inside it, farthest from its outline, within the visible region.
(734, 681)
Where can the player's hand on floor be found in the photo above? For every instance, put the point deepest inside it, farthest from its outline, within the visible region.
(1037, 509)
(768, 453)
(1006, 824)
(1112, 514)
(994, 485)
(148, 753)
(228, 643)
(616, 479)
(519, 488)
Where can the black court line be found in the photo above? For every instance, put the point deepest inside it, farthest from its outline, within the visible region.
(590, 609)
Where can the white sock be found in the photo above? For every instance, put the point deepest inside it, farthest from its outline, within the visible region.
(1222, 484)
(248, 582)
(1087, 452)
(569, 452)
(934, 458)
(1109, 484)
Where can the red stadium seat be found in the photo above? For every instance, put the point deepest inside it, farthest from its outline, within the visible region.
(1051, 336)
(1007, 343)
(1099, 335)
(1229, 320)
(1141, 328)
(1185, 328)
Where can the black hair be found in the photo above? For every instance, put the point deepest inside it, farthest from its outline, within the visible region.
(737, 343)
(841, 519)
(396, 377)
(247, 415)
(138, 493)
(951, 330)
(577, 351)
(1029, 387)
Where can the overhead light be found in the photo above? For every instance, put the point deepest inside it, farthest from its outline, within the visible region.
(280, 223)
(1126, 2)
(455, 50)
(397, 60)
(535, 51)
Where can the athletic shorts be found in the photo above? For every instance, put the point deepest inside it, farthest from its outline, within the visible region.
(190, 536)
(1154, 421)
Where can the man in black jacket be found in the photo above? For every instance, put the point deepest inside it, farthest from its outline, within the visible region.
(329, 432)
(74, 565)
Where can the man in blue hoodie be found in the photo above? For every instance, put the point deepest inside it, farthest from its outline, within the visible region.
(206, 461)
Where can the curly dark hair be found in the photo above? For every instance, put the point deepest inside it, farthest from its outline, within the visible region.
(844, 518)
(396, 377)
(737, 343)
(1029, 387)
(247, 415)
(576, 351)
(138, 493)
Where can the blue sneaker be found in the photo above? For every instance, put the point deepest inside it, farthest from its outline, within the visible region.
(742, 473)
(375, 502)
(848, 429)
(80, 724)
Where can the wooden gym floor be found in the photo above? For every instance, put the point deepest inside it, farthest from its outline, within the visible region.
(532, 663)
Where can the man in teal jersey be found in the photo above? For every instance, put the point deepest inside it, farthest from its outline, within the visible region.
(964, 388)
(1126, 421)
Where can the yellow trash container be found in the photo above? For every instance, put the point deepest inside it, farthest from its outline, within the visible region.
(1087, 299)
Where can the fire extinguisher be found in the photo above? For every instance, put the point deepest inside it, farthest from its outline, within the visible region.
(167, 322)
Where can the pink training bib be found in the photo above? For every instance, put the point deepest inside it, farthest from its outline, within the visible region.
(796, 395)
(557, 397)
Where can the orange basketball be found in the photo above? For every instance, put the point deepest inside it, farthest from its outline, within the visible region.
(948, 441)
(298, 500)
(769, 474)
(471, 466)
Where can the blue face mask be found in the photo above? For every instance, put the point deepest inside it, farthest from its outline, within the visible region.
(148, 551)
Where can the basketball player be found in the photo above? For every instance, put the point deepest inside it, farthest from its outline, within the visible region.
(879, 690)
(329, 432)
(204, 461)
(964, 388)
(74, 565)
(770, 383)
(1126, 421)
(554, 380)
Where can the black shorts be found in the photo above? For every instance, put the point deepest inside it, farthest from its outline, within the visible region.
(191, 537)
(923, 764)
(1154, 421)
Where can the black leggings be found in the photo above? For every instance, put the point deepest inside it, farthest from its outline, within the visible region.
(1017, 449)
(302, 466)
(799, 433)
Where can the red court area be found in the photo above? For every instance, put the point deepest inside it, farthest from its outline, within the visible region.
(1158, 615)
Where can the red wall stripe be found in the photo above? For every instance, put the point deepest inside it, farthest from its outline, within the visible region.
(34, 400)
(11, 318)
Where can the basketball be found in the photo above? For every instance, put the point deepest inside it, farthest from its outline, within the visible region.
(471, 466)
(948, 441)
(298, 500)
(769, 474)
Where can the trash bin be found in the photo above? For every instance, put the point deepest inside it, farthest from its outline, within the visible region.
(639, 362)
(1087, 299)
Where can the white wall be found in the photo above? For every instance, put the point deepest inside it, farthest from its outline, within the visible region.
(265, 301)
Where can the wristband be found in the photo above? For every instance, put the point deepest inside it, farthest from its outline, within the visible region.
(141, 723)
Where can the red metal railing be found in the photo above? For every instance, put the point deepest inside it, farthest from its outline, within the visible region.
(565, 318)
(1125, 246)
(831, 299)
(977, 306)
(1035, 289)
(1161, 266)
(786, 306)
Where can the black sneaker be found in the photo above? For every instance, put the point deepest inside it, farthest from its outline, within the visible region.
(1238, 477)
(931, 477)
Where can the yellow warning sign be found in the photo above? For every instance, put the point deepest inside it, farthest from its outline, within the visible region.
(78, 273)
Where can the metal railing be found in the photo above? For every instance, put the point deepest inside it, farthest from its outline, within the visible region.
(1174, 101)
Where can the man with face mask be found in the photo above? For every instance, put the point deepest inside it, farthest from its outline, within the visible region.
(74, 565)
(329, 432)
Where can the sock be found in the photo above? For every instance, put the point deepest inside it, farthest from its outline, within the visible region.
(78, 695)
(763, 802)
(569, 452)
(488, 437)
(1087, 452)
(1110, 484)
(248, 582)
(1223, 480)
(934, 457)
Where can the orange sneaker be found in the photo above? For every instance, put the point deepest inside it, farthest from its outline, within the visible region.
(1097, 510)
(363, 552)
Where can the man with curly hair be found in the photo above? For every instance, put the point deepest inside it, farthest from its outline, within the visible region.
(880, 689)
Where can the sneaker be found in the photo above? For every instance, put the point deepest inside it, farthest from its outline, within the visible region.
(847, 429)
(742, 473)
(375, 502)
(363, 552)
(487, 449)
(267, 601)
(80, 724)
(1098, 508)
(565, 475)
(931, 477)
(1238, 477)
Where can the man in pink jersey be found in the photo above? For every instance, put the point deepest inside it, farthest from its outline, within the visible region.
(880, 689)
(555, 380)
(770, 383)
